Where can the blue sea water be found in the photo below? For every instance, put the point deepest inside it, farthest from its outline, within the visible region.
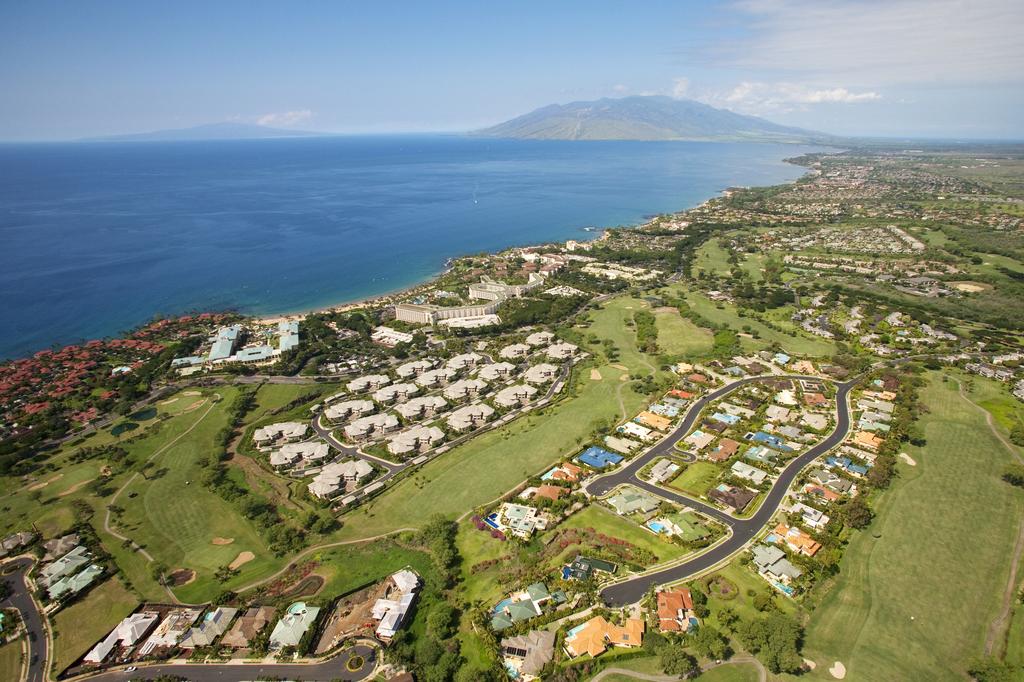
(100, 237)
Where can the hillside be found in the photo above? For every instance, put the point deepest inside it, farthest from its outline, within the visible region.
(644, 118)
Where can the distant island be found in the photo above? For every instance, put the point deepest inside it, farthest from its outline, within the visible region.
(210, 131)
(645, 118)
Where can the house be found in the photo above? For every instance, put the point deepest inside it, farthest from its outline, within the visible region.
(540, 339)
(528, 654)
(248, 626)
(769, 440)
(463, 361)
(867, 440)
(497, 370)
(561, 351)
(730, 496)
(540, 374)
(470, 417)
(597, 634)
(332, 478)
(289, 629)
(370, 382)
(371, 424)
(389, 394)
(675, 610)
(417, 408)
(815, 399)
(414, 368)
(744, 470)
(699, 440)
(563, 472)
(654, 421)
(414, 439)
(171, 629)
(464, 389)
(513, 396)
(391, 610)
(524, 605)
(687, 526)
(435, 377)
(513, 351)
(831, 480)
(795, 538)
(348, 408)
(730, 419)
(284, 431)
(771, 563)
(777, 413)
(636, 431)
(583, 568)
(73, 584)
(520, 519)
(126, 634)
(390, 337)
(786, 397)
(623, 445)
(630, 501)
(823, 493)
(212, 626)
(663, 470)
(549, 492)
(71, 561)
(598, 458)
(725, 449)
(309, 453)
(810, 516)
(760, 454)
(818, 422)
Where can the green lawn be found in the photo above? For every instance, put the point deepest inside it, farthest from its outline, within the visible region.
(886, 618)
(697, 478)
(476, 546)
(80, 625)
(711, 257)
(995, 397)
(679, 336)
(351, 567)
(612, 322)
(11, 664)
(732, 672)
(608, 522)
(727, 315)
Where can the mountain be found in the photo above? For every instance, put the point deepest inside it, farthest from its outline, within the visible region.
(645, 118)
(210, 131)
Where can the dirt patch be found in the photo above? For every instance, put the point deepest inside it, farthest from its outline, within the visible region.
(75, 488)
(169, 401)
(181, 576)
(838, 670)
(307, 587)
(811, 665)
(971, 287)
(196, 404)
(595, 375)
(908, 459)
(624, 377)
(666, 309)
(222, 541)
(43, 484)
(192, 393)
(622, 367)
(242, 559)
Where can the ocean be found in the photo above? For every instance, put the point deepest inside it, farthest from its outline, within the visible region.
(100, 237)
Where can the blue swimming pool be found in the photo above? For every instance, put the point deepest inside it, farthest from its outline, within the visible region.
(492, 521)
(656, 527)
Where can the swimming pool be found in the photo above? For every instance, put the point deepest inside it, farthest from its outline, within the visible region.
(491, 521)
(657, 527)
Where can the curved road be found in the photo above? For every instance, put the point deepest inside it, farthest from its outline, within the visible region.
(21, 599)
(334, 669)
(742, 530)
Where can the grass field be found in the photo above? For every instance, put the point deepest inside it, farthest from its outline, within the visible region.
(679, 336)
(711, 257)
(80, 625)
(11, 664)
(610, 322)
(886, 618)
(351, 567)
(727, 315)
(608, 522)
(697, 478)
(995, 397)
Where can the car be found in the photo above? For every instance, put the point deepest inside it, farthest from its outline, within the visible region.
(130, 669)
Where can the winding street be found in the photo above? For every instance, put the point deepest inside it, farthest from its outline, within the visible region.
(742, 530)
(21, 599)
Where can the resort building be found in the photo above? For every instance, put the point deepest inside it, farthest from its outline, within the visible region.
(346, 409)
(470, 417)
(374, 424)
(310, 453)
(370, 382)
(389, 394)
(463, 361)
(514, 351)
(540, 339)
(436, 377)
(496, 371)
(418, 408)
(386, 336)
(513, 396)
(561, 351)
(286, 432)
(333, 478)
(464, 388)
(415, 439)
(414, 368)
(540, 374)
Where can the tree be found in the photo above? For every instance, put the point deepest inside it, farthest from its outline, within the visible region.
(675, 661)
(857, 514)
(993, 670)
(775, 640)
(710, 643)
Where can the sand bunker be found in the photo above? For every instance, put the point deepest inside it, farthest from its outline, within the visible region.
(169, 401)
(242, 559)
(624, 377)
(222, 541)
(75, 488)
(971, 287)
(181, 576)
(595, 375)
(811, 665)
(192, 393)
(622, 367)
(908, 459)
(194, 405)
(43, 484)
(838, 670)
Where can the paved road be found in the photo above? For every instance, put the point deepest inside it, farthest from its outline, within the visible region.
(21, 599)
(743, 530)
(334, 669)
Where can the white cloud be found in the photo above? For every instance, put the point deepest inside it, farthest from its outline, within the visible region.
(285, 118)
(762, 98)
(620, 88)
(680, 86)
(874, 43)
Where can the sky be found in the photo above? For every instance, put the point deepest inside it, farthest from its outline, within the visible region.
(917, 68)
